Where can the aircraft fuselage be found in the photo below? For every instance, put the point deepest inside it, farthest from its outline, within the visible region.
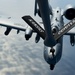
(56, 24)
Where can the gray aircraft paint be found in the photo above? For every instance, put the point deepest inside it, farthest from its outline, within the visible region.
(56, 21)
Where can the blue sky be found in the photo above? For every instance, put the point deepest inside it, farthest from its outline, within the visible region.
(61, 3)
(17, 8)
(21, 7)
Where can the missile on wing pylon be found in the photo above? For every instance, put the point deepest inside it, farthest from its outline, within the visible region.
(37, 38)
(7, 31)
(72, 40)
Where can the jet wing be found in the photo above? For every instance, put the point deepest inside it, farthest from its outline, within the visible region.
(71, 32)
(37, 28)
(6, 22)
(65, 29)
(13, 26)
(31, 22)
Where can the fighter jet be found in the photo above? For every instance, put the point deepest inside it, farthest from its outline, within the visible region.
(54, 29)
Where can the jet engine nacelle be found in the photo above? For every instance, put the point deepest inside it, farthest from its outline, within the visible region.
(72, 40)
(28, 33)
(69, 12)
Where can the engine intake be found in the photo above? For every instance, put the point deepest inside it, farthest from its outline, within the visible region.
(69, 12)
(28, 33)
